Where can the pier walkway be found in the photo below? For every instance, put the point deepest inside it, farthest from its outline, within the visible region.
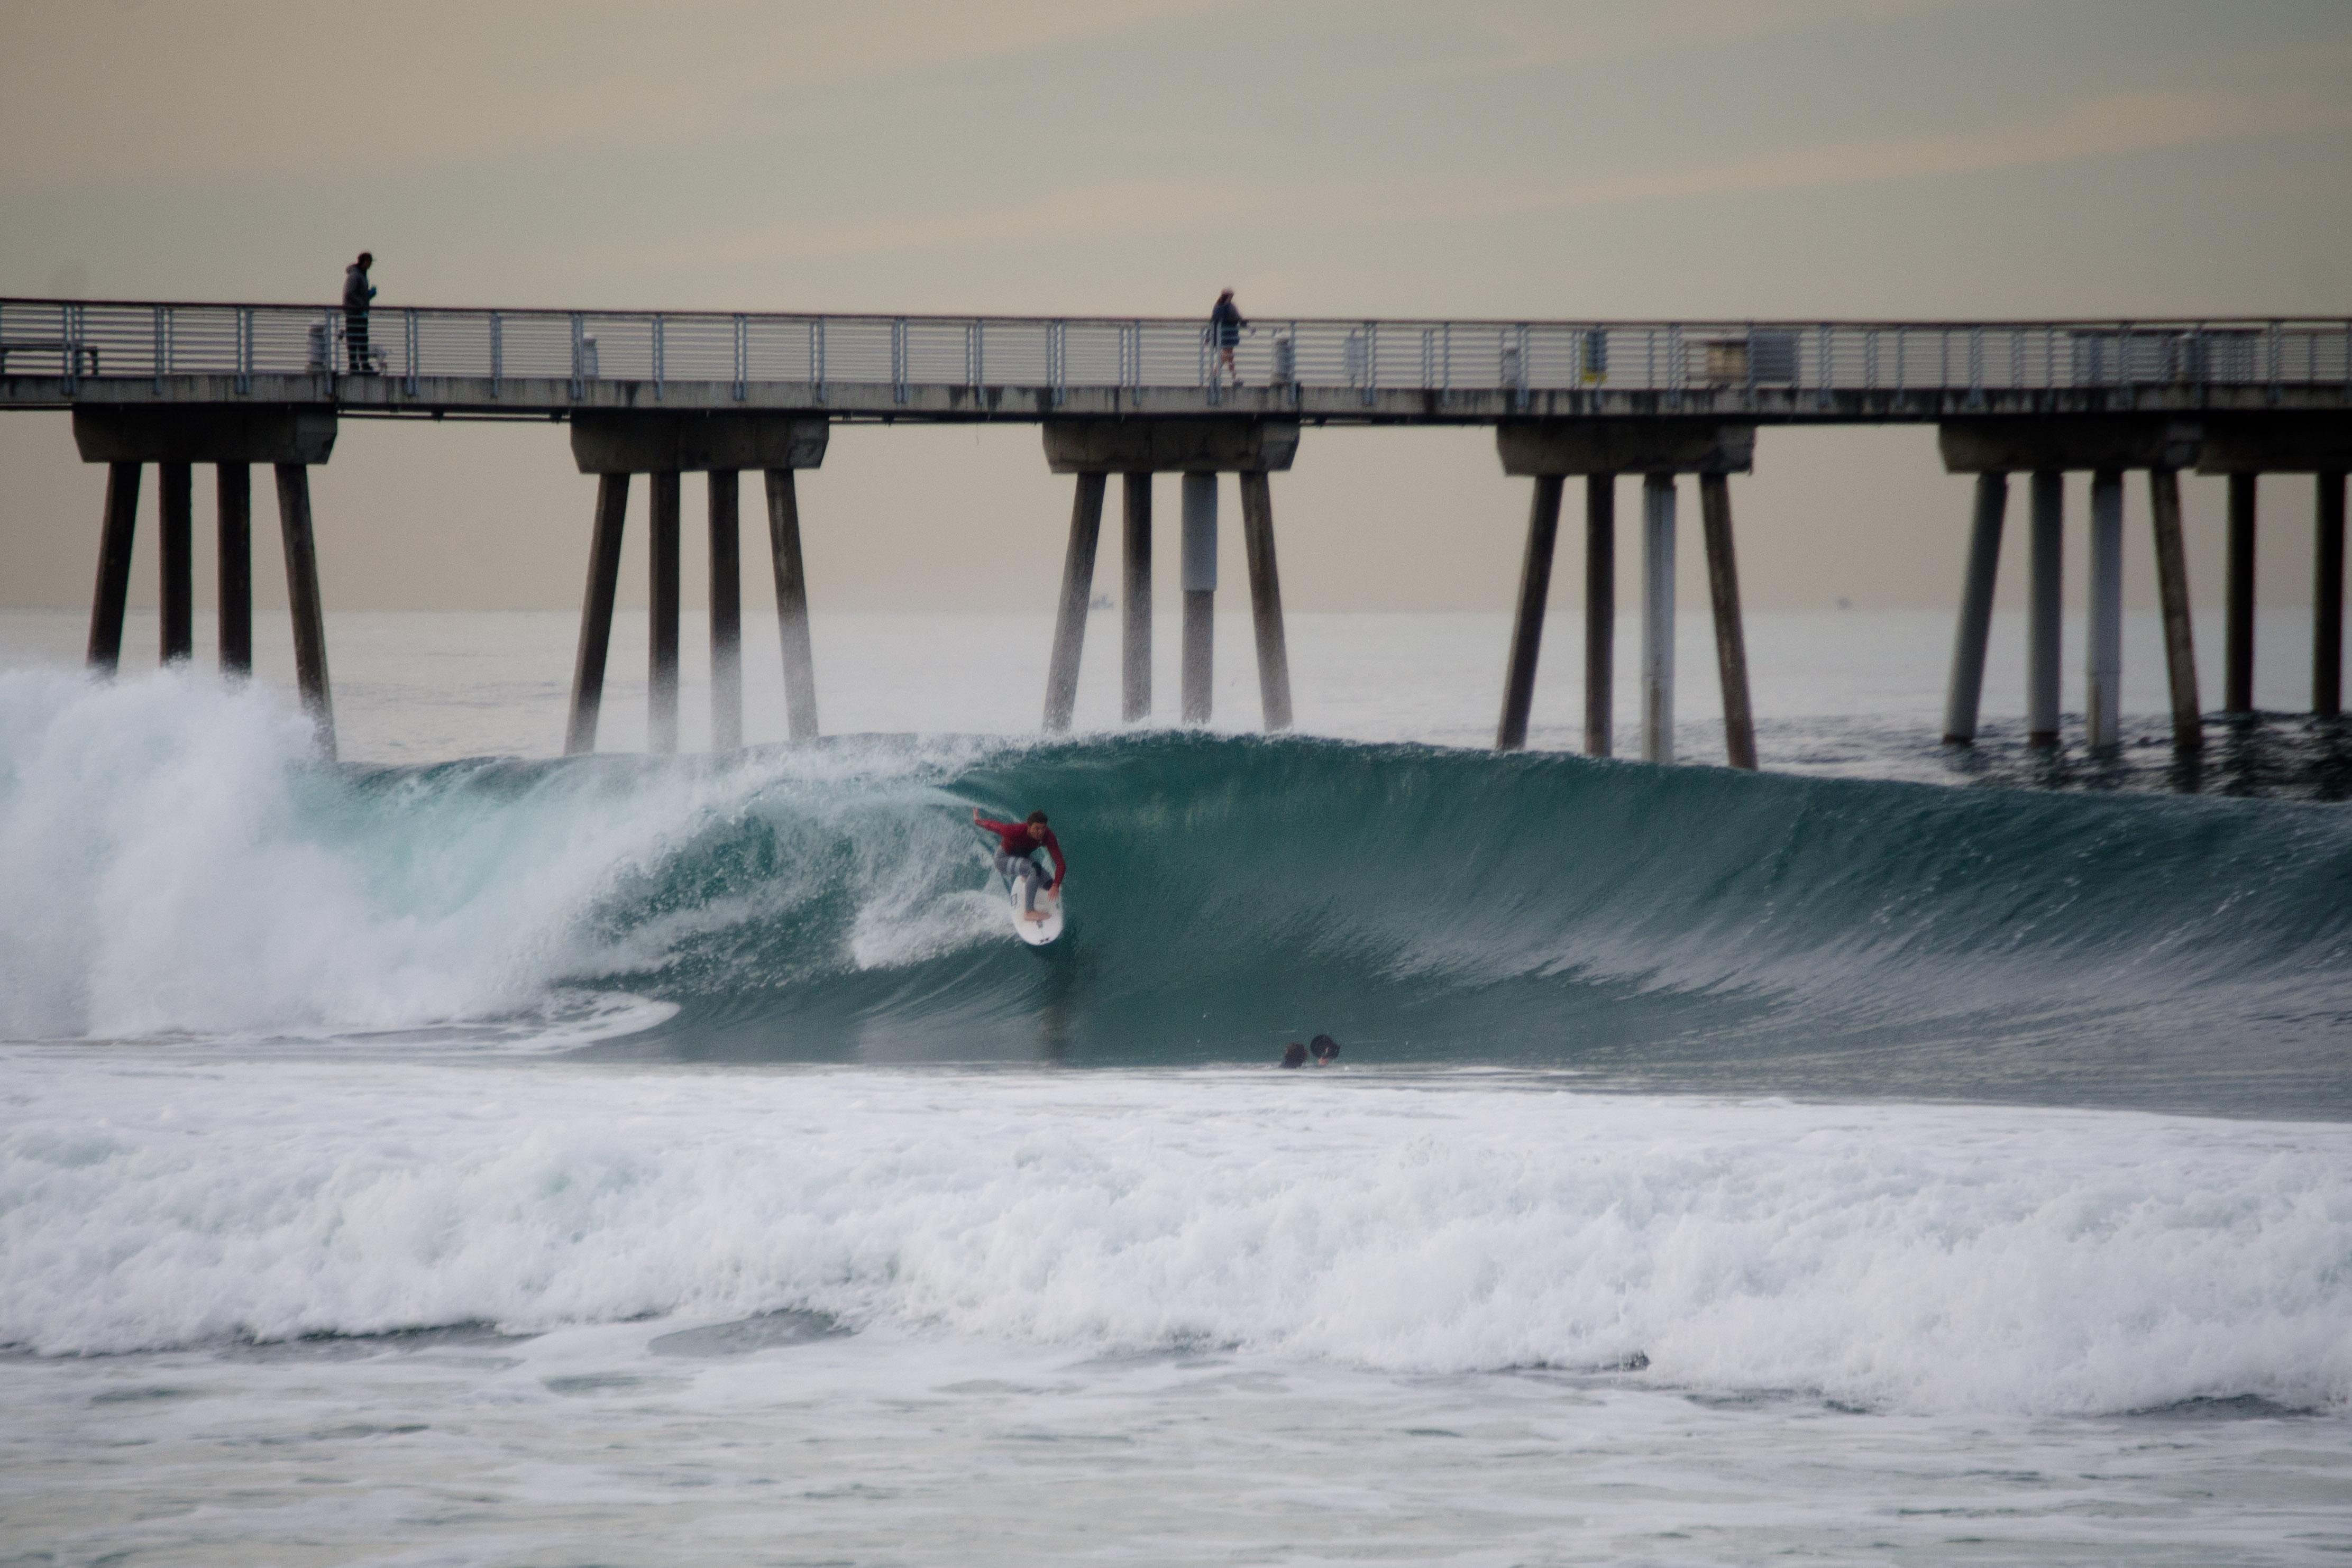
(660, 394)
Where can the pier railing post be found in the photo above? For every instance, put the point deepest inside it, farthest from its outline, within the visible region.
(1200, 576)
(1658, 618)
(1964, 697)
(2328, 597)
(302, 595)
(112, 594)
(1600, 613)
(661, 664)
(2045, 569)
(1077, 590)
(1265, 600)
(2172, 592)
(726, 610)
(596, 612)
(1526, 623)
(791, 605)
(2238, 625)
(2104, 652)
(1730, 638)
(175, 536)
(234, 489)
(1135, 600)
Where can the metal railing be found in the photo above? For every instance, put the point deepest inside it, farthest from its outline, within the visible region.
(76, 341)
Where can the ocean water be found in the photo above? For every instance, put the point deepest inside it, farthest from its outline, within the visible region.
(462, 1154)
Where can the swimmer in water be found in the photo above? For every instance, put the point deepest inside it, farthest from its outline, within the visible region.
(1327, 1050)
(1294, 1055)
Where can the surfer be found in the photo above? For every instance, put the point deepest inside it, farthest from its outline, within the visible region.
(1326, 1049)
(1014, 844)
(1294, 1055)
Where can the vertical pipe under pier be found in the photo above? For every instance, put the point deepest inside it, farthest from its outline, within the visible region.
(1266, 600)
(661, 639)
(791, 605)
(175, 506)
(1199, 577)
(1077, 589)
(302, 600)
(1658, 618)
(726, 610)
(2327, 598)
(1963, 699)
(234, 489)
(1526, 623)
(2238, 628)
(1135, 599)
(2045, 572)
(1730, 637)
(2172, 594)
(596, 613)
(2103, 655)
(1600, 613)
(112, 594)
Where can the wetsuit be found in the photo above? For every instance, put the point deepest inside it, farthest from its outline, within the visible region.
(1012, 847)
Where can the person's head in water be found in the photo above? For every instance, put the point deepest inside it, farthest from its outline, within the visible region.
(1294, 1055)
(1036, 823)
(1327, 1050)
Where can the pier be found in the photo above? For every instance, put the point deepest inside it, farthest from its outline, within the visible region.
(174, 385)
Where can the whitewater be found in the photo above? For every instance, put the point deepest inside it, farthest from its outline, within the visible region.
(465, 1156)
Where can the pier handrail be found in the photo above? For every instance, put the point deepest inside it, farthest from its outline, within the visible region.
(71, 339)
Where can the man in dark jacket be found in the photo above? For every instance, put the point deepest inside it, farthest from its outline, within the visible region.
(1225, 326)
(357, 292)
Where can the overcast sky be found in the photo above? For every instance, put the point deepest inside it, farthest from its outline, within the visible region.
(1739, 158)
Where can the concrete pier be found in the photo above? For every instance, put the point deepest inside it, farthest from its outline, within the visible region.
(233, 490)
(303, 599)
(2238, 625)
(726, 610)
(1731, 636)
(1600, 613)
(1200, 583)
(1963, 697)
(1266, 601)
(1527, 623)
(791, 605)
(2172, 596)
(2103, 654)
(596, 612)
(2328, 597)
(1077, 590)
(1135, 599)
(112, 595)
(661, 607)
(1658, 618)
(175, 542)
(2045, 573)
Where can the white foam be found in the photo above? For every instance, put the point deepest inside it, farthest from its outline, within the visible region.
(1937, 1259)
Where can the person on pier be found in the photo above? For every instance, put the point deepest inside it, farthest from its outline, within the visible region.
(1225, 324)
(357, 292)
(1015, 842)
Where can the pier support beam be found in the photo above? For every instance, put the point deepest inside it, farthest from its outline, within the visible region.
(112, 594)
(1963, 698)
(303, 599)
(661, 607)
(1077, 592)
(1731, 636)
(2045, 571)
(2238, 626)
(1600, 613)
(2103, 661)
(596, 613)
(2327, 598)
(726, 610)
(1658, 618)
(791, 605)
(1135, 600)
(1200, 577)
(175, 537)
(1526, 624)
(233, 488)
(2172, 594)
(1266, 601)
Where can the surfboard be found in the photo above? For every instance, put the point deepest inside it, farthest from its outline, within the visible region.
(1036, 933)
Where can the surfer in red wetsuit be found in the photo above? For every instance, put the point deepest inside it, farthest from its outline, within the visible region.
(1015, 840)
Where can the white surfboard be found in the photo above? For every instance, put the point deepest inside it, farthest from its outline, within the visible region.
(1038, 933)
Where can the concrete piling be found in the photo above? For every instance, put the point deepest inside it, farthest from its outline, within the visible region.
(2238, 628)
(2104, 650)
(175, 536)
(1963, 698)
(303, 599)
(1526, 623)
(1077, 590)
(112, 594)
(1266, 600)
(1200, 578)
(2172, 594)
(596, 612)
(2045, 570)
(662, 598)
(726, 610)
(1600, 611)
(1658, 618)
(1731, 636)
(233, 488)
(1135, 600)
(2327, 598)
(791, 605)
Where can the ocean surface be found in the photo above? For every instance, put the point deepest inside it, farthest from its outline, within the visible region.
(461, 1155)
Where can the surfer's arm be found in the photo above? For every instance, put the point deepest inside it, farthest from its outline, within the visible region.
(1061, 867)
(980, 822)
